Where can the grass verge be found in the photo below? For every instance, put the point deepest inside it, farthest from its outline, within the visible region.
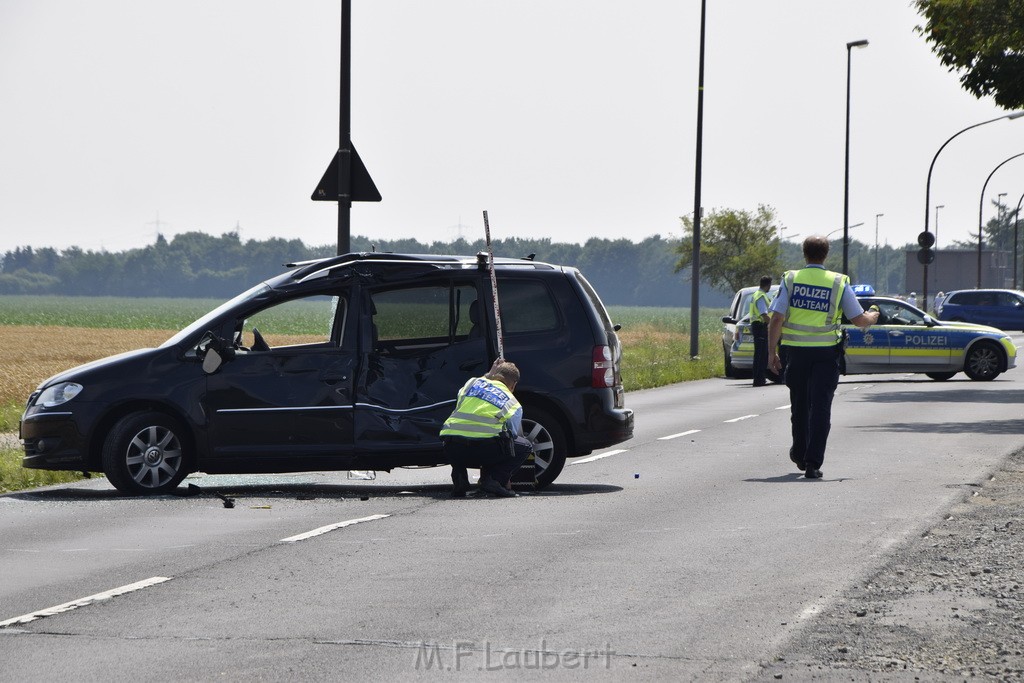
(9, 416)
(14, 477)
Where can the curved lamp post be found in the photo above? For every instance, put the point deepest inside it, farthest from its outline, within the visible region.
(846, 175)
(981, 206)
(928, 185)
(844, 229)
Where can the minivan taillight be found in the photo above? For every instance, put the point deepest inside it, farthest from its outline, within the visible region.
(603, 373)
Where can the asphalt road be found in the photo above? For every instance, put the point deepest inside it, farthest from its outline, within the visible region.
(692, 552)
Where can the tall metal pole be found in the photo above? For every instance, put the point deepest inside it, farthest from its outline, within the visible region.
(877, 216)
(846, 174)
(936, 245)
(695, 267)
(981, 206)
(1016, 232)
(345, 131)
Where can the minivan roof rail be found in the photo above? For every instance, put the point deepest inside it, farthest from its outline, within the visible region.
(314, 266)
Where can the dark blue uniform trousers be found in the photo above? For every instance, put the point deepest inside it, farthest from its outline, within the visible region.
(759, 331)
(497, 457)
(812, 374)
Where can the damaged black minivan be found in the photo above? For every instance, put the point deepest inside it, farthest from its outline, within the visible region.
(349, 362)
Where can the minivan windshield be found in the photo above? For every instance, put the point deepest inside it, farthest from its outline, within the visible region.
(203, 323)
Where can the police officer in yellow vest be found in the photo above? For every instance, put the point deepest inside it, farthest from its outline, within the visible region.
(805, 317)
(485, 431)
(759, 317)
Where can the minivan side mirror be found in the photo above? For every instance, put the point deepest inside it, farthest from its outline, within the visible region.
(214, 352)
(728, 320)
(212, 361)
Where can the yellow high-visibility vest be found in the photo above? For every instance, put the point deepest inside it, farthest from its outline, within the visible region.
(755, 314)
(813, 316)
(481, 410)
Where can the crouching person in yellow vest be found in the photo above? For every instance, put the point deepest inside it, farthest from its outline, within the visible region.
(485, 431)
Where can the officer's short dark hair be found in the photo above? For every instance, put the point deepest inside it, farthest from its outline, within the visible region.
(506, 373)
(766, 281)
(816, 248)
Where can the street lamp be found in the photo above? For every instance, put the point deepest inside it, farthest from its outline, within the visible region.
(877, 216)
(981, 205)
(928, 186)
(849, 227)
(695, 261)
(846, 175)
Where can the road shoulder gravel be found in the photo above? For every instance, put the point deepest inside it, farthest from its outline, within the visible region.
(946, 606)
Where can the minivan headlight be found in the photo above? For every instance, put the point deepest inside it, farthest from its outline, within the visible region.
(58, 394)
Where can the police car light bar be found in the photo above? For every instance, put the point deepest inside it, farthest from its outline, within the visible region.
(863, 290)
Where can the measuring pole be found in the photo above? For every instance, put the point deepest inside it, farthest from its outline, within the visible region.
(494, 286)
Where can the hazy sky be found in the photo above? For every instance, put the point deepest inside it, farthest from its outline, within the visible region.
(563, 118)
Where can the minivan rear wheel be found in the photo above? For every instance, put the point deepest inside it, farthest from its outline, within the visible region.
(549, 446)
(144, 454)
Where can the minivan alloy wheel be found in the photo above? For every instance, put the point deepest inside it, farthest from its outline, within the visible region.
(143, 454)
(548, 445)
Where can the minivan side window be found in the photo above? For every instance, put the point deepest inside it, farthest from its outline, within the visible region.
(526, 306)
(426, 315)
(306, 321)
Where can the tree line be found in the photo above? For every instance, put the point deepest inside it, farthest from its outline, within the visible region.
(737, 247)
(196, 264)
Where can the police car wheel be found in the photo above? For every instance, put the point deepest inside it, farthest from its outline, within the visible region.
(983, 362)
(730, 371)
(549, 445)
(940, 376)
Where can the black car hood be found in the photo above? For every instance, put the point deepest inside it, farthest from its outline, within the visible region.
(78, 372)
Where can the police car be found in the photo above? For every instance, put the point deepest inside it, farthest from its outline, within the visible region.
(905, 339)
(737, 342)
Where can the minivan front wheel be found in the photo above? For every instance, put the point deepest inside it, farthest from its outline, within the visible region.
(549, 445)
(144, 454)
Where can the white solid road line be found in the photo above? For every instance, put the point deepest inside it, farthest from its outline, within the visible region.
(82, 602)
(738, 419)
(676, 436)
(330, 527)
(599, 456)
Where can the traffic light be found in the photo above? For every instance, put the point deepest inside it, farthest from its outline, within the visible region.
(925, 255)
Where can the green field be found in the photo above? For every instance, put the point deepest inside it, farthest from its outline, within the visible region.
(655, 343)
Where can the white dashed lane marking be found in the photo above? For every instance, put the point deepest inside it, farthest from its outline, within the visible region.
(330, 527)
(739, 419)
(676, 436)
(82, 602)
(599, 456)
